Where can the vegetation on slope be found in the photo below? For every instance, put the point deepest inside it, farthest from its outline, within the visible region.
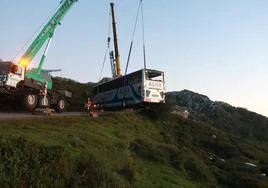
(80, 92)
(126, 149)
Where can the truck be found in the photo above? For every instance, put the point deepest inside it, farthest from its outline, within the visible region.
(33, 88)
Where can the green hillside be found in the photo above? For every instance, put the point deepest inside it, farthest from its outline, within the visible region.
(127, 149)
(80, 91)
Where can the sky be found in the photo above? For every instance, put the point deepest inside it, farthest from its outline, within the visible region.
(216, 48)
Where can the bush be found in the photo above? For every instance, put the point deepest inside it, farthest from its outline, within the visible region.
(150, 150)
(25, 164)
(196, 169)
(129, 169)
(157, 111)
(87, 170)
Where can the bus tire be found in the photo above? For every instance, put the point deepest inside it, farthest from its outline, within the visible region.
(30, 101)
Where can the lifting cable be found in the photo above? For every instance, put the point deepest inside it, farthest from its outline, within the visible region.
(133, 35)
(140, 10)
(107, 50)
(18, 53)
(143, 37)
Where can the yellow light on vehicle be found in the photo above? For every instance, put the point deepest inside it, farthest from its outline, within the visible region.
(24, 62)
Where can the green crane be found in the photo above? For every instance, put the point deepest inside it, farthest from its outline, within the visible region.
(44, 36)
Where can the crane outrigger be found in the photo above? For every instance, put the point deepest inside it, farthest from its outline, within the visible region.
(17, 81)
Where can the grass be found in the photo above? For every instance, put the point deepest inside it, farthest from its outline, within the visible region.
(125, 149)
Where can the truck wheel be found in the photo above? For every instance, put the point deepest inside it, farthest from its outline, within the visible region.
(44, 102)
(30, 101)
(61, 105)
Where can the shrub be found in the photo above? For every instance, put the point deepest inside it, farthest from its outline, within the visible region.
(150, 150)
(196, 169)
(25, 164)
(87, 170)
(128, 169)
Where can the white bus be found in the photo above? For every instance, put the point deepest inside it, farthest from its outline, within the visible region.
(137, 88)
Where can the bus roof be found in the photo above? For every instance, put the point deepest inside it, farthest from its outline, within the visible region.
(153, 73)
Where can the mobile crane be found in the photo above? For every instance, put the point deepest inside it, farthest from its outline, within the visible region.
(34, 87)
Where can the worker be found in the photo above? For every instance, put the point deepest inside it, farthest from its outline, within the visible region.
(90, 105)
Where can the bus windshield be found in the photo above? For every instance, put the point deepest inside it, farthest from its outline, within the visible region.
(154, 75)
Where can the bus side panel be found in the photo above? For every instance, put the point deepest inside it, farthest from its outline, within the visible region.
(131, 95)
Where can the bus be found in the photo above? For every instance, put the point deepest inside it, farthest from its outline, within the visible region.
(137, 88)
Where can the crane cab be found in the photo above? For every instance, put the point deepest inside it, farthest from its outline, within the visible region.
(10, 74)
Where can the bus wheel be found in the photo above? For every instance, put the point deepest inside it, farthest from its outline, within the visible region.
(30, 101)
(61, 105)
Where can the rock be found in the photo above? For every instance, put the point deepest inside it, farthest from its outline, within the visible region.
(251, 164)
(183, 112)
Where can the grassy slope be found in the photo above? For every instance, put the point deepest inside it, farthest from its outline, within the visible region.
(125, 149)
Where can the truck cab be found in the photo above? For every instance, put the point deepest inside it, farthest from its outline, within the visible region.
(10, 75)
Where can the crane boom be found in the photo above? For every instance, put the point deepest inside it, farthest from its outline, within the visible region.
(117, 55)
(46, 34)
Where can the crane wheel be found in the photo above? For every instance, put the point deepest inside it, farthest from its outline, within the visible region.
(44, 102)
(30, 101)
